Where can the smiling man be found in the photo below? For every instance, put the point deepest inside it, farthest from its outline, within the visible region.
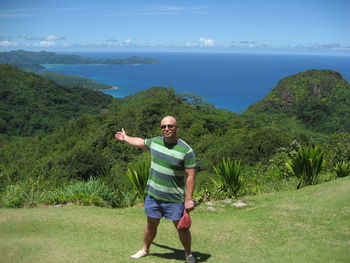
(170, 184)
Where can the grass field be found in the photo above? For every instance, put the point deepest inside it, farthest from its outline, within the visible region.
(308, 225)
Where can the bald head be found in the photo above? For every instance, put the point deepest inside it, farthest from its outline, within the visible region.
(169, 129)
(168, 120)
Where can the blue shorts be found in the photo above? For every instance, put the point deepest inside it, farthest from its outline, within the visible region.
(156, 209)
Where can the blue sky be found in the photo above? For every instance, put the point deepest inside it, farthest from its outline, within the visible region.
(242, 26)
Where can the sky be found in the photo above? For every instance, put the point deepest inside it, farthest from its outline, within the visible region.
(239, 26)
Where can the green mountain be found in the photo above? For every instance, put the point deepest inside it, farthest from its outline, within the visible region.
(30, 104)
(318, 98)
(74, 81)
(30, 60)
(83, 146)
(73, 136)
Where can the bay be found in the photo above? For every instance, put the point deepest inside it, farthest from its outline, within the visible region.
(228, 81)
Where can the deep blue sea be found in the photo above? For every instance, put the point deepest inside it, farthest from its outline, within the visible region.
(228, 81)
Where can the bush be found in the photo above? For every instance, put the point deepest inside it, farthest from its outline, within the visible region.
(27, 193)
(342, 169)
(264, 179)
(12, 196)
(306, 164)
(91, 192)
(139, 177)
(228, 174)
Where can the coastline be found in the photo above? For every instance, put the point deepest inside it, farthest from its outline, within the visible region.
(226, 90)
(112, 88)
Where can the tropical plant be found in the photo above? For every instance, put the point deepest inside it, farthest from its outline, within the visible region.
(228, 174)
(306, 164)
(342, 169)
(138, 177)
(91, 192)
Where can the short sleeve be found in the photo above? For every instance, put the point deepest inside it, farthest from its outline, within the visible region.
(190, 159)
(148, 143)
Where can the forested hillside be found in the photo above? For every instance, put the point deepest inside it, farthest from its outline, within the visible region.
(30, 104)
(74, 81)
(84, 148)
(318, 98)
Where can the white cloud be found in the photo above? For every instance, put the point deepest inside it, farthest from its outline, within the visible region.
(206, 42)
(45, 43)
(116, 43)
(66, 44)
(6, 43)
(30, 37)
(112, 40)
(53, 38)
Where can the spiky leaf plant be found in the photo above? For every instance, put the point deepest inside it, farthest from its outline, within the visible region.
(138, 177)
(228, 173)
(306, 164)
(342, 168)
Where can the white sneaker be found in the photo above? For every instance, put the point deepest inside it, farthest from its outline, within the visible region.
(190, 259)
(140, 254)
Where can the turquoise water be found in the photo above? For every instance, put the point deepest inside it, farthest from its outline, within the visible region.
(229, 81)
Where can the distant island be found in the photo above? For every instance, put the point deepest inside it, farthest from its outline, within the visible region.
(32, 61)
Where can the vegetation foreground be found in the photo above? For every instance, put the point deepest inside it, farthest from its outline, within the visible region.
(307, 225)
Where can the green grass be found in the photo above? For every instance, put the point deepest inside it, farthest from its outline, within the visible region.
(306, 225)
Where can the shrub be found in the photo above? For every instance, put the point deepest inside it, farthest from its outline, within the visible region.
(342, 169)
(228, 176)
(91, 192)
(138, 177)
(266, 179)
(25, 193)
(306, 164)
(12, 196)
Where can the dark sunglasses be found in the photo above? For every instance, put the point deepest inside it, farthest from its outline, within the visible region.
(170, 126)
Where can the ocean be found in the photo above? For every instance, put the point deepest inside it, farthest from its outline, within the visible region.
(228, 81)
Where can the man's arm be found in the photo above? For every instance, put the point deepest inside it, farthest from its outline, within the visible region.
(134, 141)
(190, 181)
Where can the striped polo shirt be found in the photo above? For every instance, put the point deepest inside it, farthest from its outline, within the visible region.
(167, 176)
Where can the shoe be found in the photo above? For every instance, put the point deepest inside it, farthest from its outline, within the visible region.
(140, 254)
(190, 259)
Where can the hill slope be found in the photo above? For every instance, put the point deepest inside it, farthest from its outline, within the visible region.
(74, 81)
(308, 225)
(319, 98)
(30, 104)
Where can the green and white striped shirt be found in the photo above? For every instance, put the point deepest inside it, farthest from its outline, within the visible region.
(167, 176)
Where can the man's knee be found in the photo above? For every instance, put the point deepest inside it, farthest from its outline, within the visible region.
(152, 223)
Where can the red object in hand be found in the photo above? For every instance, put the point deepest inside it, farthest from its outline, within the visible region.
(185, 221)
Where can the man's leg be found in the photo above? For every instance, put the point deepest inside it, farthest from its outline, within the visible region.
(185, 238)
(149, 235)
(150, 232)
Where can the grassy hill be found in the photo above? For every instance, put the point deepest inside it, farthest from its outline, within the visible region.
(308, 225)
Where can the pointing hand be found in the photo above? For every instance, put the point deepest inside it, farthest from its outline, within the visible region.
(120, 136)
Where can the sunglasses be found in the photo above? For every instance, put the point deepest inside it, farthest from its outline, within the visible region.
(170, 126)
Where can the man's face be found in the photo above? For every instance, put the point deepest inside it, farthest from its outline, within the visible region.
(169, 127)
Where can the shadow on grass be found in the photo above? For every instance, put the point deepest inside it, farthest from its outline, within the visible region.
(178, 254)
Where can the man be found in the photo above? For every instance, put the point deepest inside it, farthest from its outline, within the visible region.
(170, 184)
